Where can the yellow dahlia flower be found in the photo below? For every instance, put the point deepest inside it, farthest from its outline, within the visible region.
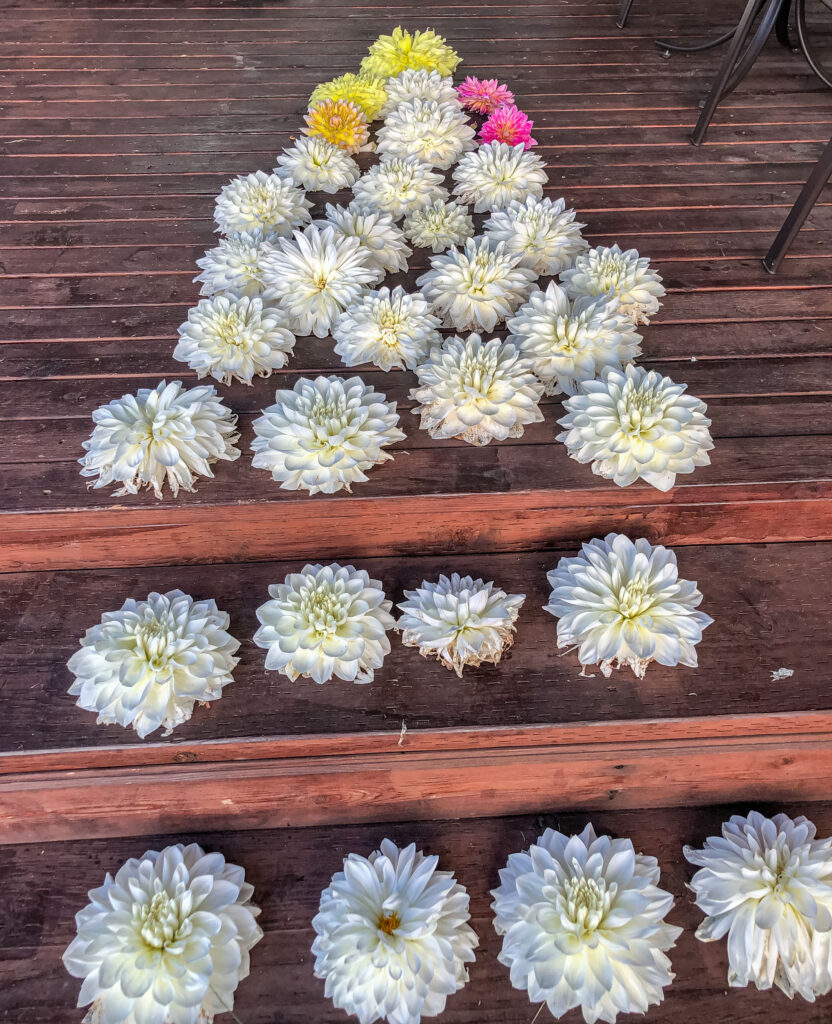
(339, 122)
(397, 52)
(366, 91)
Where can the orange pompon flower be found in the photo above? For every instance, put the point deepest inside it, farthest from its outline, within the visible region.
(340, 122)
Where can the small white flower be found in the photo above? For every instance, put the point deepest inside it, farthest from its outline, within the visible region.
(767, 885)
(328, 620)
(570, 342)
(634, 423)
(477, 286)
(622, 602)
(439, 226)
(460, 621)
(234, 339)
(437, 134)
(543, 234)
(162, 435)
(394, 330)
(317, 165)
(392, 936)
(582, 920)
(260, 202)
(398, 187)
(626, 274)
(315, 277)
(235, 266)
(496, 174)
(478, 391)
(385, 244)
(324, 433)
(165, 942)
(418, 85)
(147, 664)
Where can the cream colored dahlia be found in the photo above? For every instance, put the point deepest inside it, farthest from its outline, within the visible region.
(315, 277)
(398, 187)
(425, 50)
(317, 166)
(582, 921)
(626, 274)
(434, 133)
(418, 85)
(235, 266)
(260, 202)
(634, 424)
(324, 434)
(393, 330)
(478, 391)
(234, 339)
(328, 620)
(543, 234)
(459, 621)
(385, 244)
(162, 435)
(621, 602)
(477, 286)
(148, 664)
(392, 936)
(439, 226)
(570, 342)
(166, 941)
(366, 91)
(766, 883)
(496, 174)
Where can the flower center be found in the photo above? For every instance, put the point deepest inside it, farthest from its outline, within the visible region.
(388, 923)
(609, 272)
(230, 329)
(633, 598)
(587, 902)
(324, 611)
(159, 921)
(154, 641)
(329, 416)
(638, 411)
(476, 376)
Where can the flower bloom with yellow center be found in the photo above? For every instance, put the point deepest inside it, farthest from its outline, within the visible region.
(340, 122)
(367, 92)
(627, 275)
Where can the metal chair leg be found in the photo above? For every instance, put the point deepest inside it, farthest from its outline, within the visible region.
(623, 13)
(696, 48)
(803, 38)
(800, 211)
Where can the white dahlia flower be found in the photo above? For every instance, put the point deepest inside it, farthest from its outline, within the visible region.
(460, 621)
(570, 342)
(543, 234)
(622, 603)
(434, 133)
(166, 941)
(582, 920)
(147, 664)
(418, 85)
(328, 620)
(235, 266)
(496, 174)
(398, 187)
(315, 277)
(324, 434)
(234, 339)
(766, 883)
(393, 330)
(317, 165)
(439, 226)
(626, 274)
(634, 423)
(162, 435)
(478, 391)
(382, 239)
(476, 287)
(392, 936)
(260, 202)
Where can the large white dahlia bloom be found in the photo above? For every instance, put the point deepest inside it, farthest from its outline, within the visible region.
(317, 165)
(476, 287)
(634, 423)
(439, 226)
(392, 936)
(147, 664)
(234, 339)
(478, 391)
(496, 174)
(437, 134)
(459, 621)
(766, 883)
(626, 274)
(621, 602)
(324, 434)
(572, 341)
(381, 238)
(398, 187)
(162, 435)
(166, 941)
(545, 235)
(413, 84)
(393, 330)
(328, 620)
(235, 266)
(582, 920)
(315, 277)
(260, 202)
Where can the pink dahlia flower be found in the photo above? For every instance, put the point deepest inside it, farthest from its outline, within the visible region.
(508, 124)
(483, 96)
